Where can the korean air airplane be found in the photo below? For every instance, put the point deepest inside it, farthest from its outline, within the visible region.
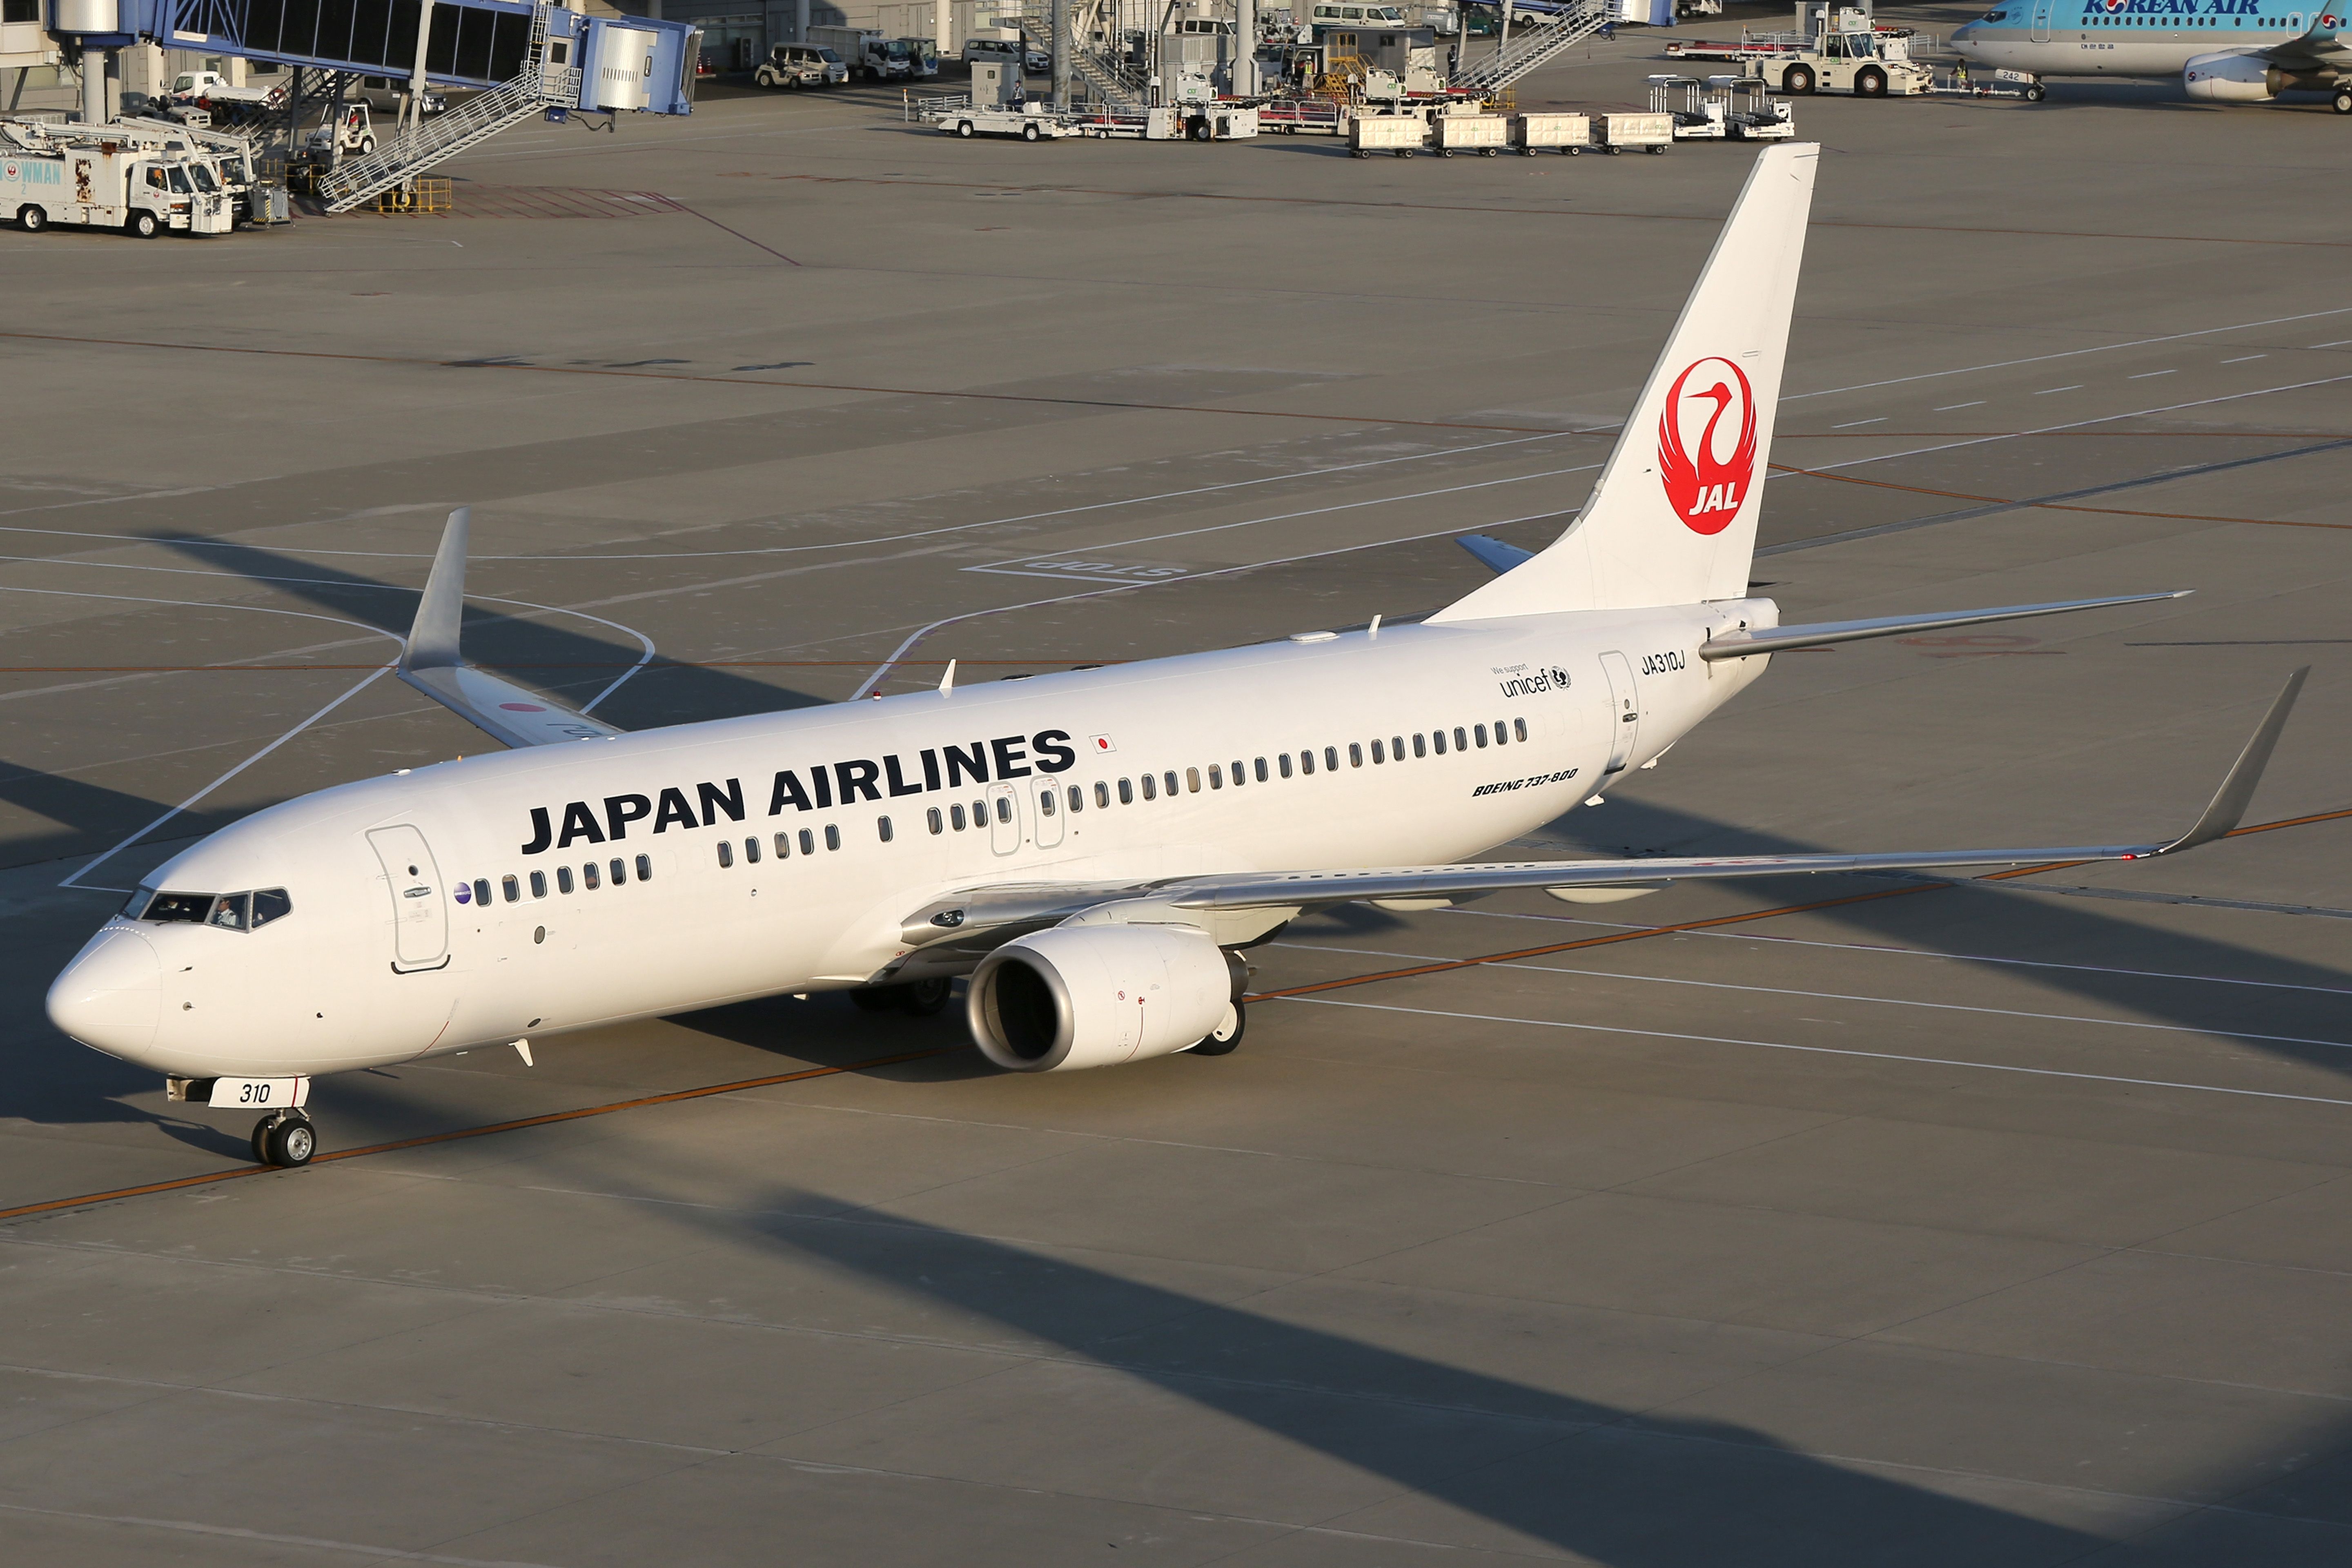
(1095, 850)
(2225, 51)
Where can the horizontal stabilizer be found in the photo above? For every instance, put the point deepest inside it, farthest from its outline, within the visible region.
(1493, 553)
(431, 663)
(1772, 639)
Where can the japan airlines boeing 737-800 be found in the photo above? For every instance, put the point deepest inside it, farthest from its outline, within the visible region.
(1092, 848)
(2225, 51)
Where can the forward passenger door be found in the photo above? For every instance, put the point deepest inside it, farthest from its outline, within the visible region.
(420, 909)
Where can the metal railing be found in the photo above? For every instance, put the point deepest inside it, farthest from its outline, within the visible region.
(1537, 41)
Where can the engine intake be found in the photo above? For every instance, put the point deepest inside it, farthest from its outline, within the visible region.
(1090, 997)
(2232, 78)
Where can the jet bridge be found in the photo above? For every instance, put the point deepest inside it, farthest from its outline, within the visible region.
(528, 59)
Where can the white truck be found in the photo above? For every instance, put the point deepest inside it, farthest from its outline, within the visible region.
(866, 52)
(1853, 57)
(195, 87)
(108, 183)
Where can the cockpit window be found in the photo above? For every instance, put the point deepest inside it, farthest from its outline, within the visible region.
(225, 911)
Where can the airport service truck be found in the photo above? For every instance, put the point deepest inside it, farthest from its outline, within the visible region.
(111, 184)
(866, 52)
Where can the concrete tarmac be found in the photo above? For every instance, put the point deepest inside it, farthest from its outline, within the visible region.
(1824, 1221)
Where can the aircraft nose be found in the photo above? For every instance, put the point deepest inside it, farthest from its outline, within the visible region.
(110, 995)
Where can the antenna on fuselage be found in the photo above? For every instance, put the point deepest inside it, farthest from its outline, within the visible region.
(947, 681)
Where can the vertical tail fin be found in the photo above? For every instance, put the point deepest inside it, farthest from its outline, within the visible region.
(1673, 520)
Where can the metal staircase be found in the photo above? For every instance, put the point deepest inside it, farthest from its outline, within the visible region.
(1540, 36)
(1109, 80)
(419, 147)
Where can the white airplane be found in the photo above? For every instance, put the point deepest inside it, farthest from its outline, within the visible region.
(2224, 51)
(1094, 849)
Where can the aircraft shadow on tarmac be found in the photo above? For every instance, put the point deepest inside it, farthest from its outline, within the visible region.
(554, 653)
(1623, 1487)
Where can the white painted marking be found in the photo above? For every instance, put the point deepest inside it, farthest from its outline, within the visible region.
(2151, 374)
(1948, 407)
(1819, 1050)
(2074, 353)
(2048, 390)
(2242, 359)
(2337, 344)
(1839, 996)
(1851, 424)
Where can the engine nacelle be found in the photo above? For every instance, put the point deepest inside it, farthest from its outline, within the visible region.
(1097, 995)
(2232, 78)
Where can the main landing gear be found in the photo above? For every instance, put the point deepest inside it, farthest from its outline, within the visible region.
(1226, 1037)
(916, 998)
(285, 1139)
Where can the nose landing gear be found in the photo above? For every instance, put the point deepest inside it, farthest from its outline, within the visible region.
(285, 1139)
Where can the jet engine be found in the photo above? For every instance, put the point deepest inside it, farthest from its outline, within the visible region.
(1095, 995)
(2232, 79)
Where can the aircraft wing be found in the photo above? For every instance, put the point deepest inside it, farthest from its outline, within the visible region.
(2320, 48)
(1301, 889)
(508, 713)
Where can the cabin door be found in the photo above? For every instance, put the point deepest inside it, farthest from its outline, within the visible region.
(2041, 21)
(420, 910)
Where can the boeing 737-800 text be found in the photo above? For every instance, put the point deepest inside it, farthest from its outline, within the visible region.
(1092, 848)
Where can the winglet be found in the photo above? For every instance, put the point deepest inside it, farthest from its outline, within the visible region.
(433, 640)
(2230, 801)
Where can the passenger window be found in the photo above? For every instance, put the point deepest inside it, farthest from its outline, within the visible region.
(1480, 730)
(1077, 798)
(884, 830)
(588, 876)
(620, 866)
(1501, 734)
(784, 846)
(269, 904)
(1418, 749)
(1461, 741)
(482, 891)
(1436, 741)
(1170, 776)
(832, 835)
(751, 851)
(808, 842)
(232, 911)
(1259, 768)
(1151, 787)
(1102, 795)
(1331, 759)
(1003, 808)
(955, 814)
(1192, 782)
(1216, 776)
(1519, 729)
(1046, 800)
(645, 867)
(1380, 752)
(1307, 764)
(564, 873)
(511, 887)
(934, 821)
(1355, 754)
(539, 884)
(1282, 764)
(1240, 778)
(1126, 793)
(726, 860)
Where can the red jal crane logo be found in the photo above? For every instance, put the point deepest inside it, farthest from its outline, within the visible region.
(1705, 490)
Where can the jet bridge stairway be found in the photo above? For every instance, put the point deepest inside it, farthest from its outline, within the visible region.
(418, 147)
(1543, 33)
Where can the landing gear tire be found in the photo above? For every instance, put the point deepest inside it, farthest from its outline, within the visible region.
(1798, 82)
(1226, 1037)
(923, 998)
(2342, 101)
(286, 1141)
(2036, 93)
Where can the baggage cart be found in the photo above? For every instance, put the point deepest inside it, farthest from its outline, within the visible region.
(1568, 134)
(1397, 134)
(1649, 133)
(1484, 134)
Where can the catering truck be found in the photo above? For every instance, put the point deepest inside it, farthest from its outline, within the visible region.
(109, 183)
